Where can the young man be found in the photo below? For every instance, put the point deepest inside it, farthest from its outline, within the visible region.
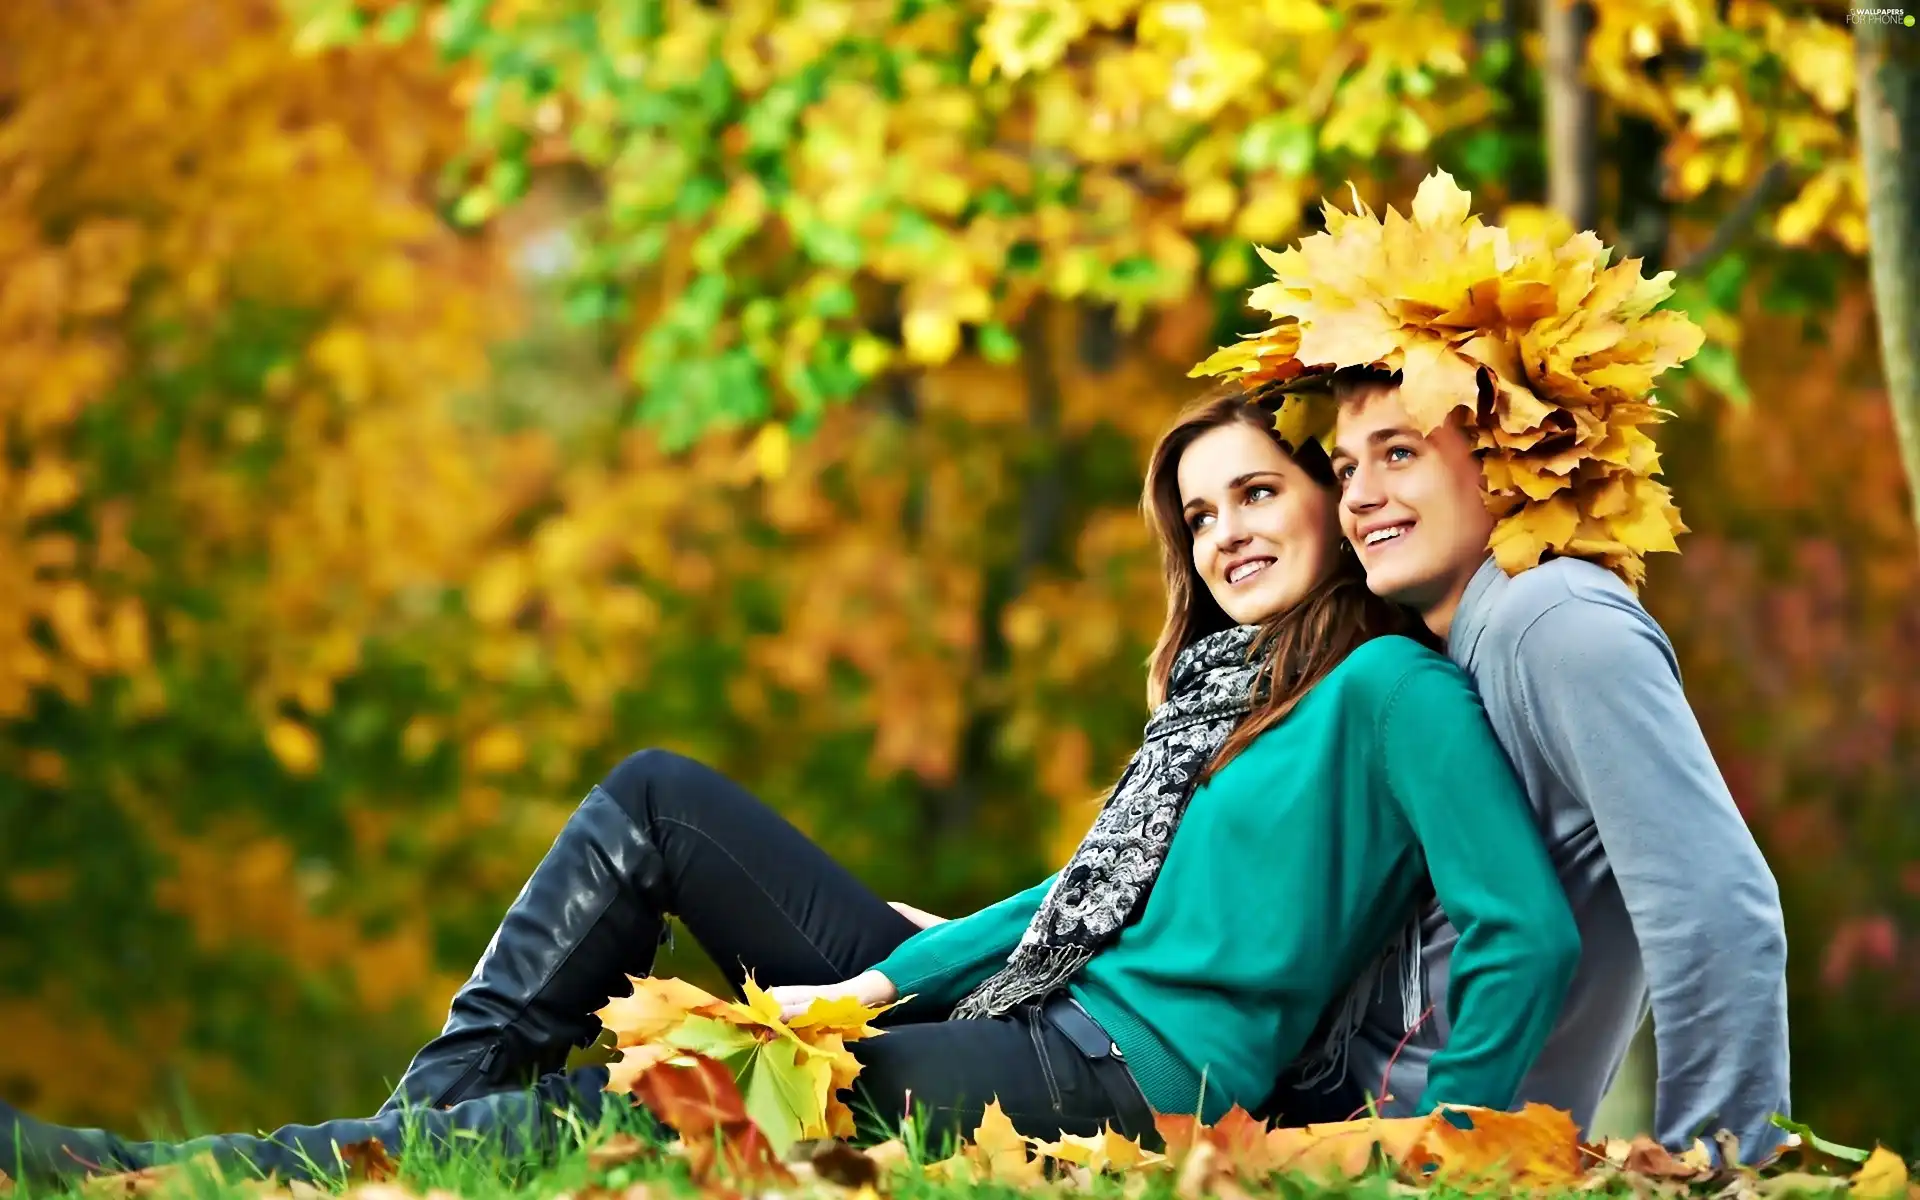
(1488, 397)
(1672, 895)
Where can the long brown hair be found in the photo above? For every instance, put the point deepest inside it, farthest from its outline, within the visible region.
(1300, 645)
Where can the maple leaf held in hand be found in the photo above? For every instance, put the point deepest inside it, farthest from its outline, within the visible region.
(789, 1073)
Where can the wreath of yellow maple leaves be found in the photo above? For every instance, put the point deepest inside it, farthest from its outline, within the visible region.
(1548, 353)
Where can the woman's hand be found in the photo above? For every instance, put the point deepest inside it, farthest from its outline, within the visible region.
(923, 919)
(870, 988)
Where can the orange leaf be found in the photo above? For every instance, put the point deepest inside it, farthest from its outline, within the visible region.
(740, 1153)
(691, 1094)
(1538, 1146)
(369, 1161)
(655, 1006)
(618, 1150)
(1342, 1147)
(635, 1061)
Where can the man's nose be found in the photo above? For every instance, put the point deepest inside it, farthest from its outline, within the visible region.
(1361, 491)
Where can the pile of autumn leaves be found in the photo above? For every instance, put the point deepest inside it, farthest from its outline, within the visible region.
(754, 1103)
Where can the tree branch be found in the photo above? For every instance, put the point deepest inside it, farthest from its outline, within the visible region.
(1735, 223)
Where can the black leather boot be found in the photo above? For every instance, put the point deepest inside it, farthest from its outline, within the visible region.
(511, 1126)
(591, 914)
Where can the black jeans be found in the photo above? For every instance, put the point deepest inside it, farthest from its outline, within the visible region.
(760, 898)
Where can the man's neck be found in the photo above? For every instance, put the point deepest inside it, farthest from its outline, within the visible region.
(1443, 615)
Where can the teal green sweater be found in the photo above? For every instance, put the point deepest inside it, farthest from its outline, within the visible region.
(1291, 871)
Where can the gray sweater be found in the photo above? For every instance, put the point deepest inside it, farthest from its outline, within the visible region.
(1674, 901)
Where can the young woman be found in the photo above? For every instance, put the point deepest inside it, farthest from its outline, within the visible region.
(1306, 770)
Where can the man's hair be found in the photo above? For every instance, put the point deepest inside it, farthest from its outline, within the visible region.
(1349, 382)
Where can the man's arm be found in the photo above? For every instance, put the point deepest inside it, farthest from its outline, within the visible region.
(1600, 689)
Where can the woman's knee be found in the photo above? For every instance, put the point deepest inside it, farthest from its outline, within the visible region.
(640, 774)
(652, 782)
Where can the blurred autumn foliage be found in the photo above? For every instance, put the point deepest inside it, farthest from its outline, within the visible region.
(337, 565)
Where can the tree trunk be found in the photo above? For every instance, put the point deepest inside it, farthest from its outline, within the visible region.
(1572, 154)
(948, 811)
(1889, 121)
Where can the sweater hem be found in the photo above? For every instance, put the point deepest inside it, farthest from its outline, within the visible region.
(1169, 1084)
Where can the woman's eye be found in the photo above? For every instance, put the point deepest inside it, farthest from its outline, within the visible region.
(1198, 521)
(1343, 472)
(1259, 491)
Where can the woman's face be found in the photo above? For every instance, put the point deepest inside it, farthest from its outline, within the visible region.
(1263, 531)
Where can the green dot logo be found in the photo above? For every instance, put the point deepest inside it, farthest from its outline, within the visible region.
(1909, 20)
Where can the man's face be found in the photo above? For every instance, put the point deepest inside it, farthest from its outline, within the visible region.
(1412, 505)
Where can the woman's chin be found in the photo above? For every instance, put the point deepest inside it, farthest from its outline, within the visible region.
(1256, 608)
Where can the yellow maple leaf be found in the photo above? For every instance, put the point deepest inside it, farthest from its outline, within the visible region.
(1519, 541)
(1882, 1177)
(656, 1005)
(1103, 1151)
(996, 1153)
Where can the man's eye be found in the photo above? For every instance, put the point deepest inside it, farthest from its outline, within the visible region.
(1399, 453)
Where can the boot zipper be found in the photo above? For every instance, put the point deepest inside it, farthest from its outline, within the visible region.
(479, 1067)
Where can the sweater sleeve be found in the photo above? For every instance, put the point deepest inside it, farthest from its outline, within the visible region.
(940, 965)
(1601, 690)
(1518, 946)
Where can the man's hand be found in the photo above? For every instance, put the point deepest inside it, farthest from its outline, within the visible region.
(924, 920)
(870, 988)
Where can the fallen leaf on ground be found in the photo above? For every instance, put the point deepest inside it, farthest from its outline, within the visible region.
(1103, 1151)
(995, 1153)
(1811, 1140)
(848, 1166)
(1644, 1156)
(1882, 1177)
(1799, 1183)
(369, 1161)
(378, 1191)
(1344, 1148)
(128, 1183)
(616, 1151)
(1538, 1146)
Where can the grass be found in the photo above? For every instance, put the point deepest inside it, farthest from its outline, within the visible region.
(623, 1157)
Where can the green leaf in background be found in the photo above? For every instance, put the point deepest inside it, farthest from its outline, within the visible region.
(998, 343)
(398, 24)
(1718, 367)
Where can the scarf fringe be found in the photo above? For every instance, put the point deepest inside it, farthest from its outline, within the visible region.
(1327, 1063)
(1035, 973)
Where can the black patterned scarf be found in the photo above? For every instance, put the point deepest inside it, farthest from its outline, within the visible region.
(1104, 884)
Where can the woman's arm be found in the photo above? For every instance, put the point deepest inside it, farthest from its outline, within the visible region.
(941, 964)
(1518, 944)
